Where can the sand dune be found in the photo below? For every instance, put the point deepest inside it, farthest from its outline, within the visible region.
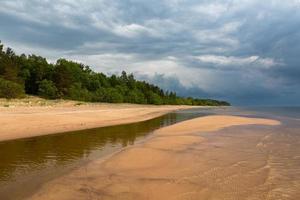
(177, 162)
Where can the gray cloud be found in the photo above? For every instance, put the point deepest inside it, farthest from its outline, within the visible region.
(244, 51)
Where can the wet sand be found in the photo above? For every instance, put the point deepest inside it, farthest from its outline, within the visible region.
(29, 121)
(213, 157)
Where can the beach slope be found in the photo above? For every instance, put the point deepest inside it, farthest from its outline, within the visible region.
(23, 121)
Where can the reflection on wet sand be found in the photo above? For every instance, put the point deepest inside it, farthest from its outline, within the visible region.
(194, 160)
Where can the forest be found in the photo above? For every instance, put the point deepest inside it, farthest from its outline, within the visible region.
(22, 75)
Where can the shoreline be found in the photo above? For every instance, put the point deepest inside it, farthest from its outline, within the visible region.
(25, 122)
(148, 170)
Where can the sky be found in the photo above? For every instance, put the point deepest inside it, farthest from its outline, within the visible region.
(246, 52)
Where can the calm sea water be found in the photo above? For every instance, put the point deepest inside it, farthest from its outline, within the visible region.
(27, 163)
(291, 112)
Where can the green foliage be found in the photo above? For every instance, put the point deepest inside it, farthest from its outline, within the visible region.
(154, 98)
(72, 80)
(112, 95)
(47, 89)
(76, 92)
(9, 89)
(135, 96)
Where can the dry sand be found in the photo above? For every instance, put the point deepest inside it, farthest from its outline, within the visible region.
(177, 162)
(35, 117)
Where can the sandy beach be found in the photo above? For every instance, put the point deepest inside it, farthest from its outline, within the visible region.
(20, 120)
(178, 162)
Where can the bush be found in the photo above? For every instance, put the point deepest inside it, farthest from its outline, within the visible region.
(112, 95)
(154, 98)
(9, 89)
(135, 96)
(99, 95)
(47, 89)
(76, 92)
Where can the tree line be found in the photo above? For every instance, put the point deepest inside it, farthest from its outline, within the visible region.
(34, 75)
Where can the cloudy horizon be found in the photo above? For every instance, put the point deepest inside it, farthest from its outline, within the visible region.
(241, 51)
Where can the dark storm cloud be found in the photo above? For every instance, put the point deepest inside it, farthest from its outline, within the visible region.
(244, 51)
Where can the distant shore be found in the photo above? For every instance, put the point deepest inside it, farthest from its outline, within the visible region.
(35, 117)
(177, 162)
